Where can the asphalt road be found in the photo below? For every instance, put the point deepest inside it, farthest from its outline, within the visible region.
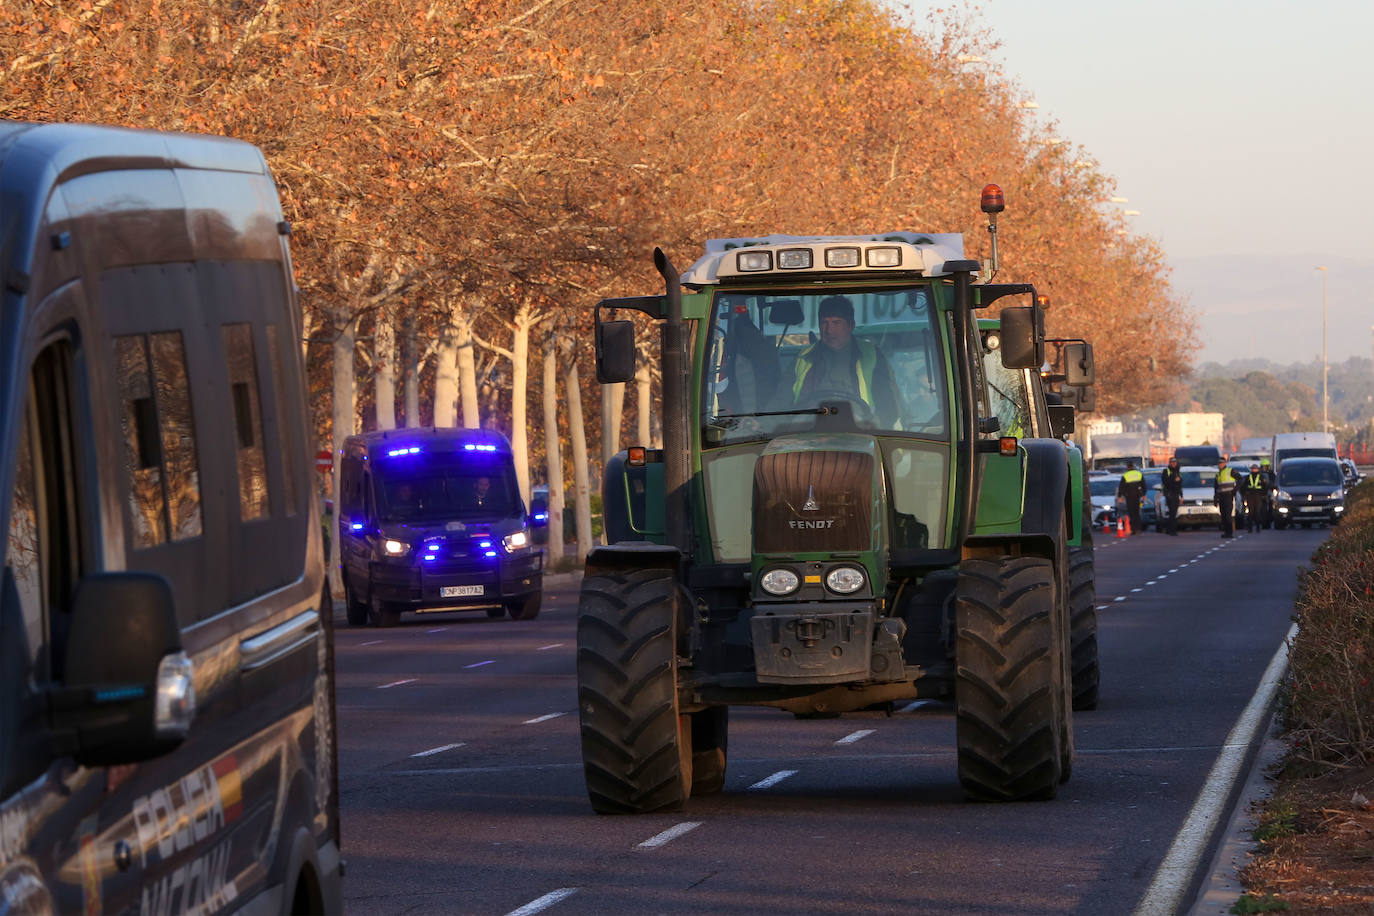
(462, 792)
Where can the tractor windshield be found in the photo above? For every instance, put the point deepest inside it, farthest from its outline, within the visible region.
(777, 358)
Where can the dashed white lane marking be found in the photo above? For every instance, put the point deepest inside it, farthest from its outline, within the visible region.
(538, 719)
(915, 705)
(408, 680)
(856, 736)
(437, 750)
(552, 645)
(374, 642)
(672, 833)
(1134, 590)
(489, 661)
(544, 902)
(1100, 607)
(773, 780)
(437, 630)
(1119, 598)
(1174, 570)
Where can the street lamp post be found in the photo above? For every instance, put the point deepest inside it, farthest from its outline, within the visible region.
(1326, 428)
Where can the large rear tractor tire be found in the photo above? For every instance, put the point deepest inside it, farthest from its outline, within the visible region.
(1083, 625)
(636, 746)
(710, 737)
(1009, 689)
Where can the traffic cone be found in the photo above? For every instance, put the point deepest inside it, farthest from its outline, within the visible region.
(1121, 527)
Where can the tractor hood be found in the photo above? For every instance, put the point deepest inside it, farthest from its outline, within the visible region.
(818, 494)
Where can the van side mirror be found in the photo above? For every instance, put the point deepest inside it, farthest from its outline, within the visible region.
(127, 692)
(615, 351)
(1061, 420)
(1023, 337)
(1078, 364)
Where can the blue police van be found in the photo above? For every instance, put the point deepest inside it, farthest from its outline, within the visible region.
(432, 520)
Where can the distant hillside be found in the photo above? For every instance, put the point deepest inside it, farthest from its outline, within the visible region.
(1260, 397)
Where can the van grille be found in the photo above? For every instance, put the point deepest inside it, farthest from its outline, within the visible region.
(811, 501)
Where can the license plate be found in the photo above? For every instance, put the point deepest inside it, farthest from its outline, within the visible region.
(459, 591)
(1310, 508)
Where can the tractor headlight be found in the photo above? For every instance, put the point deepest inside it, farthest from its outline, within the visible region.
(778, 582)
(845, 580)
(841, 257)
(395, 548)
(513, 542)
(754, 260)
(884, 257)
(795, 259)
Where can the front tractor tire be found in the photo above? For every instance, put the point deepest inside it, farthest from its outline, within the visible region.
(636, 746)
(1009, 687)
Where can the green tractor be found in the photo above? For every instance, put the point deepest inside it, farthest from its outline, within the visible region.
(838, 518)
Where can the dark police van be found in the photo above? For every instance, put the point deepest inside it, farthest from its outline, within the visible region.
(166, 690)
(432, 520)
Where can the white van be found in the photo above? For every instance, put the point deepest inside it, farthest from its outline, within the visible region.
(1302, 445)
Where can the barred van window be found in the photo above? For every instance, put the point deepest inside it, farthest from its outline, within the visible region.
(286, 445)
(142, 456)
(247, 410)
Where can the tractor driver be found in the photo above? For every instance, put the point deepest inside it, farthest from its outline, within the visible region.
(839, 364)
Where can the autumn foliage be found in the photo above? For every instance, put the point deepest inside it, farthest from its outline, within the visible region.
(528, 154)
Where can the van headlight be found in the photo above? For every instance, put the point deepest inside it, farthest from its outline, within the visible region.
(394, 548)
(513, 542)
(845, 580)
(779, 582)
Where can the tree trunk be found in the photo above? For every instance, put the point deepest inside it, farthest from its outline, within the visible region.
(581, 489)
(612, 406)
(553, 455)
(467, 370)
(643, 406)
(384, 368)
(520, 370)
(343, 425)
(446, 380)
(410, 368)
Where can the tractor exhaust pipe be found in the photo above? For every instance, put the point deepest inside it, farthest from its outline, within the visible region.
(677, 438)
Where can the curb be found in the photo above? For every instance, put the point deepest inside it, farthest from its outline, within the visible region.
(1222, 886)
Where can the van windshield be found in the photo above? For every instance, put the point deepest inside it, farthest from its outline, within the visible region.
(426, 488)
(1313, 474)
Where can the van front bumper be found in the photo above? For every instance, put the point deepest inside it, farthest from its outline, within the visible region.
(473, 584)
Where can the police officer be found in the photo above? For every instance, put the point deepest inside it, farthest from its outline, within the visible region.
(1224, 495)
(1131, 489)
(1253, 491)
(1267, 471)
(1171, 482)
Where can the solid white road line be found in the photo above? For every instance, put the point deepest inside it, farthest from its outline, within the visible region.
(437, 630)
(480, 664)
(536, 721)
(672, 833)
(552, 645)
(409, 680)
(374, 642)
(544, 902)
(773, 780)
(437, 750)
(856, 736)
(1175, 874)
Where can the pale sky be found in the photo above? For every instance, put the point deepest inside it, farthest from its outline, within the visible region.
(1243, 132)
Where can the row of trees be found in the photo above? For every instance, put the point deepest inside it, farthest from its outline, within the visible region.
(467, 177)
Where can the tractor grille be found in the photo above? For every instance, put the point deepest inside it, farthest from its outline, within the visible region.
(806, 502)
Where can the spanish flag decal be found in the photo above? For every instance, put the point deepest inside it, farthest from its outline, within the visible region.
(230, 781)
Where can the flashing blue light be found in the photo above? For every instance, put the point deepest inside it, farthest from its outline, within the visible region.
(491, 553)
(485, 544)
(540, 516)
(474, 447)
(430, 558)
(357, 526)
(413, 450)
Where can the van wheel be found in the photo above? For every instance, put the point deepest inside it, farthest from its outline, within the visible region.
(383, 615)
(356, 610)
(526, 608)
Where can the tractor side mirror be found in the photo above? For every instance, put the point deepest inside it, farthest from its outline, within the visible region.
(1078, 364)
(1061, 420)
(1084, 398)
(1023, 337)
(615, 351)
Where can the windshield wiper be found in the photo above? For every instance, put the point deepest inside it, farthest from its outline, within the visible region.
(820, 411)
